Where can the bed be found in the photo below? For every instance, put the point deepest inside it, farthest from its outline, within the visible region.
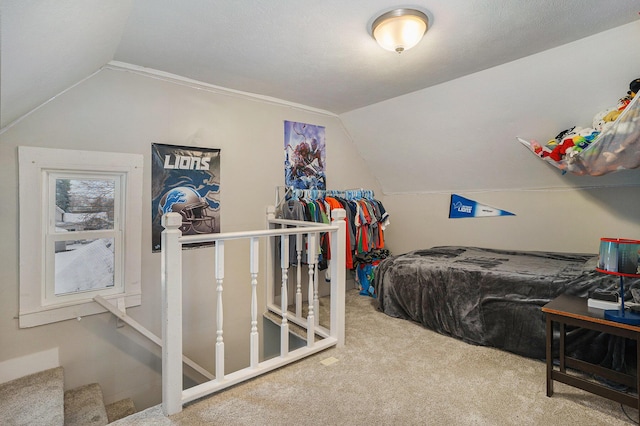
(493, 297)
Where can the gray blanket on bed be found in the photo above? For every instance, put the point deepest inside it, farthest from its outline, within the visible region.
(491, 297)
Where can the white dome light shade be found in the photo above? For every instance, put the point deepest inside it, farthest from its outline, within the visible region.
(400, 29)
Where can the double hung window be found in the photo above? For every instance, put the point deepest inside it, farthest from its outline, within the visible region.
(79, 232)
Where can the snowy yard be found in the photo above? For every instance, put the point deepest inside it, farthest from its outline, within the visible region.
(84, 266)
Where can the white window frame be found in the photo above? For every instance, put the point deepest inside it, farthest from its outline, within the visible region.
(52, 234)
(38, 170)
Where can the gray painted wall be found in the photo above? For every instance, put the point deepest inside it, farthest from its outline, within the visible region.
(122, 111)
(459, 137)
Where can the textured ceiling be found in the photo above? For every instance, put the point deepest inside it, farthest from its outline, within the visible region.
(46, 46)
(314, 53)
(320, 54)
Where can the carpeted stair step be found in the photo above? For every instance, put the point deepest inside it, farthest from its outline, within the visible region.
(36, 399)
(84, 406)
(120, 409)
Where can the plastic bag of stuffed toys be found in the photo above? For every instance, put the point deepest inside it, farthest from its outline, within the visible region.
(572, 141)
(569, 142)
(604, 119)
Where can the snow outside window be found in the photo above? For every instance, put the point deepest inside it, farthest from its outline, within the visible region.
(79, 232)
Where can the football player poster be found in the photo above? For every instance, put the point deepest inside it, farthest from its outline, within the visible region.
(304, 156)
(185, 180)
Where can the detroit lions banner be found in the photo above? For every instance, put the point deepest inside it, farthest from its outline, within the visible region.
(185, 180)
(463, 207)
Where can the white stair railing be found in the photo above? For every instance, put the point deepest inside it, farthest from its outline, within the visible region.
(173, 395)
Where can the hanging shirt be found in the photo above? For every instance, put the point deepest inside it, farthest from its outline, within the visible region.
(294, 210)
(335, 204)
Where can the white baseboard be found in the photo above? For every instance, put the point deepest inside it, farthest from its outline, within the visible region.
(22, 366)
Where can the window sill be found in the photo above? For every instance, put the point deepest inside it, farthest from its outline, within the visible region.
(57, 313)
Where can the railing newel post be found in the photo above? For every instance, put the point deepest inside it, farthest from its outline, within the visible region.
(338, 275)
(171, 283)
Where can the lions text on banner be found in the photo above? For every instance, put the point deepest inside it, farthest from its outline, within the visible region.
(185, 180)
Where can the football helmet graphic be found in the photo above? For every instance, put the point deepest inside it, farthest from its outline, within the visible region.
(192, 207)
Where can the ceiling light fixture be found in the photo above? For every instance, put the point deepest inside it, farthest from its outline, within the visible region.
(399, 29)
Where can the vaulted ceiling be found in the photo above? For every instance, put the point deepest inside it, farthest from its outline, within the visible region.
(318, 54)
(315, 53)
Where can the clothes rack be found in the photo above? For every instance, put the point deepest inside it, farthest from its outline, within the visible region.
(366, 221)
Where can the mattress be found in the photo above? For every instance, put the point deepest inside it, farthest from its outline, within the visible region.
(492, 297)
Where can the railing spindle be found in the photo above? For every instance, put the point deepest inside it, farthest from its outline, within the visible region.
(219, 273)
(316, 301)
(284, 302)
(299, 276)
(311, 260)
(255, 337)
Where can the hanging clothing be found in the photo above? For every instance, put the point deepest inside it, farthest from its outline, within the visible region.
(294, 210)
(335, 204)
(366, 220)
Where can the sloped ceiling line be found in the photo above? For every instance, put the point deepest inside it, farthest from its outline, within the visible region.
(320, 57)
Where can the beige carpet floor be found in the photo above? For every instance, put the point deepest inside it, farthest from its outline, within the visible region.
(394, 372)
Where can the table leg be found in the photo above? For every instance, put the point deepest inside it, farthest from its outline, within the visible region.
(561, 349)
(549, 331)
(638, 374)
